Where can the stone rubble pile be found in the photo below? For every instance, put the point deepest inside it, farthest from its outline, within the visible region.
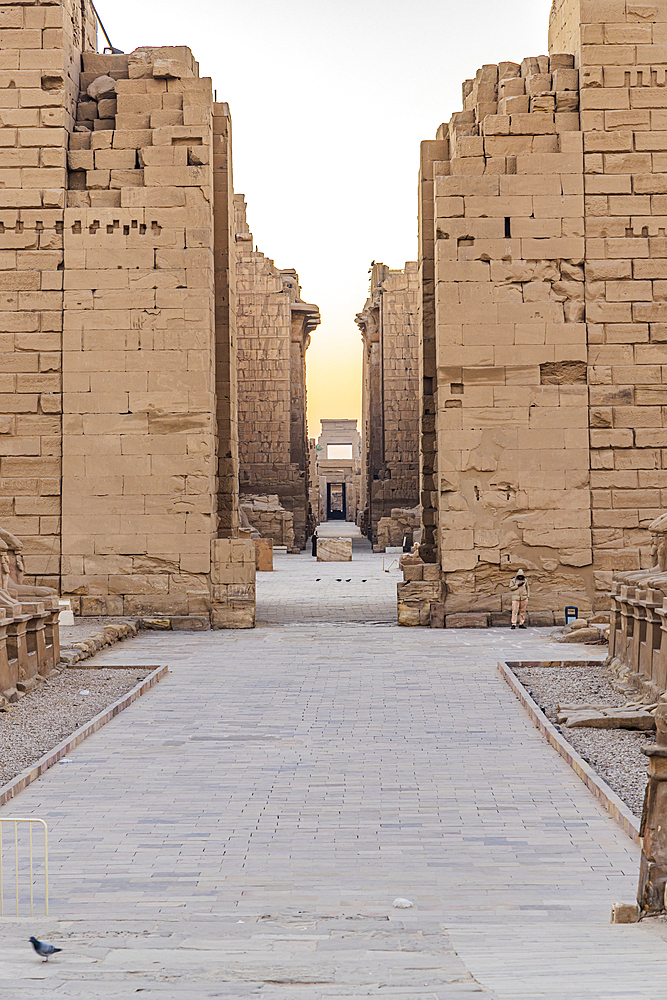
(75, 652)
(607, 717)
(592, 630)
(269, 518)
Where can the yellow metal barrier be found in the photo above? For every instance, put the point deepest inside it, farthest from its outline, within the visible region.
(30, 821)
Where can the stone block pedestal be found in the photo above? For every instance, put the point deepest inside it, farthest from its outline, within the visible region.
(334, 550)
(232, 583)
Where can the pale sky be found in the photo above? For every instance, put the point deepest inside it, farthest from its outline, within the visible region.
(329, 101)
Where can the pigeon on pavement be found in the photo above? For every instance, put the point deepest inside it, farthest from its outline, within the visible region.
(43, 949)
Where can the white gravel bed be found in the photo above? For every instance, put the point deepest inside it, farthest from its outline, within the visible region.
(54, 710)
(615, 754)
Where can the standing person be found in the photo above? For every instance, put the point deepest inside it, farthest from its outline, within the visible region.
(314, 541)
(520, 594)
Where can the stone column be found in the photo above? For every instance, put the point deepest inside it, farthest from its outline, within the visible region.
(226, 360)
(432, 152)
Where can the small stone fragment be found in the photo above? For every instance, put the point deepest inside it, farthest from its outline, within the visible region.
(102, 87)
(624, 913)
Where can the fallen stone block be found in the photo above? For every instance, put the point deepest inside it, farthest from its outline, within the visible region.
(334, 550)
(190, 623)
(437, 616)
(618, 718)
(161, 624)
(11, 695)
(70, 656)
(540, 619)
(408, 615)
(581, 635)
(624, 913)
(102, 87)
(26, 686)
(471, 620)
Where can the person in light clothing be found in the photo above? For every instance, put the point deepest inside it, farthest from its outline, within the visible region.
(520, 594)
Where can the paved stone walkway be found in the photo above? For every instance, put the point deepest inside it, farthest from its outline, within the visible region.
(243, 830)
(302, 589)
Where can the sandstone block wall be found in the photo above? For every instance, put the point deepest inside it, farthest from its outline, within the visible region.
(233, 574)
(390, 395)
(623, 66)
(274, 327)
(541, 314)
(40, 79)
(139, 403)
(118, 441)
(269, 518)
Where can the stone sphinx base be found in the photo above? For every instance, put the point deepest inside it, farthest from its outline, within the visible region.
(29, 643)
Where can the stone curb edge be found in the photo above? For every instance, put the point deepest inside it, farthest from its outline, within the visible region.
(21, 781)
(616, 808)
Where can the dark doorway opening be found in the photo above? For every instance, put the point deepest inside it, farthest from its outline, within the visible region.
(336, 502)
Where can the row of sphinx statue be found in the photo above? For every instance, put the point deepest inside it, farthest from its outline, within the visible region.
(12, 588)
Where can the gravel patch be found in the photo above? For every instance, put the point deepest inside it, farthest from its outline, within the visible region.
(615, 754)
(54, 710)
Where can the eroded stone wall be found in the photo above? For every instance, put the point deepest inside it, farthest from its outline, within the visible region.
(542, 253)
(41, 45)
(390, 394)
(274, 327)
(118, 273)
(512, 483)
(139, 442)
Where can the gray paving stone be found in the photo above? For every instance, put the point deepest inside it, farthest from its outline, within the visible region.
(243, 830)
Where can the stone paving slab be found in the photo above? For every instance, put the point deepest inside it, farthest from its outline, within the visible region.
(302, 590)
(243, 830)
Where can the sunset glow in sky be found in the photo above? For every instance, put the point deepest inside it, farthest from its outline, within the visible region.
(330, 100)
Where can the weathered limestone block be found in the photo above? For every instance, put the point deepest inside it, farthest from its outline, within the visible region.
(334, 550)
(233, 583)
(263, 554)
(269, 518)
(414, 601)
(472, 620)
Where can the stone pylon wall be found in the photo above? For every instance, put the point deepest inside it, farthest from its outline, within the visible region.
(139, 462)
(226, 376)
(118, 277)
(390, 394)
(40, 46)
(274, 328)
(622, 54)
(541, 242)
(512, 473)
